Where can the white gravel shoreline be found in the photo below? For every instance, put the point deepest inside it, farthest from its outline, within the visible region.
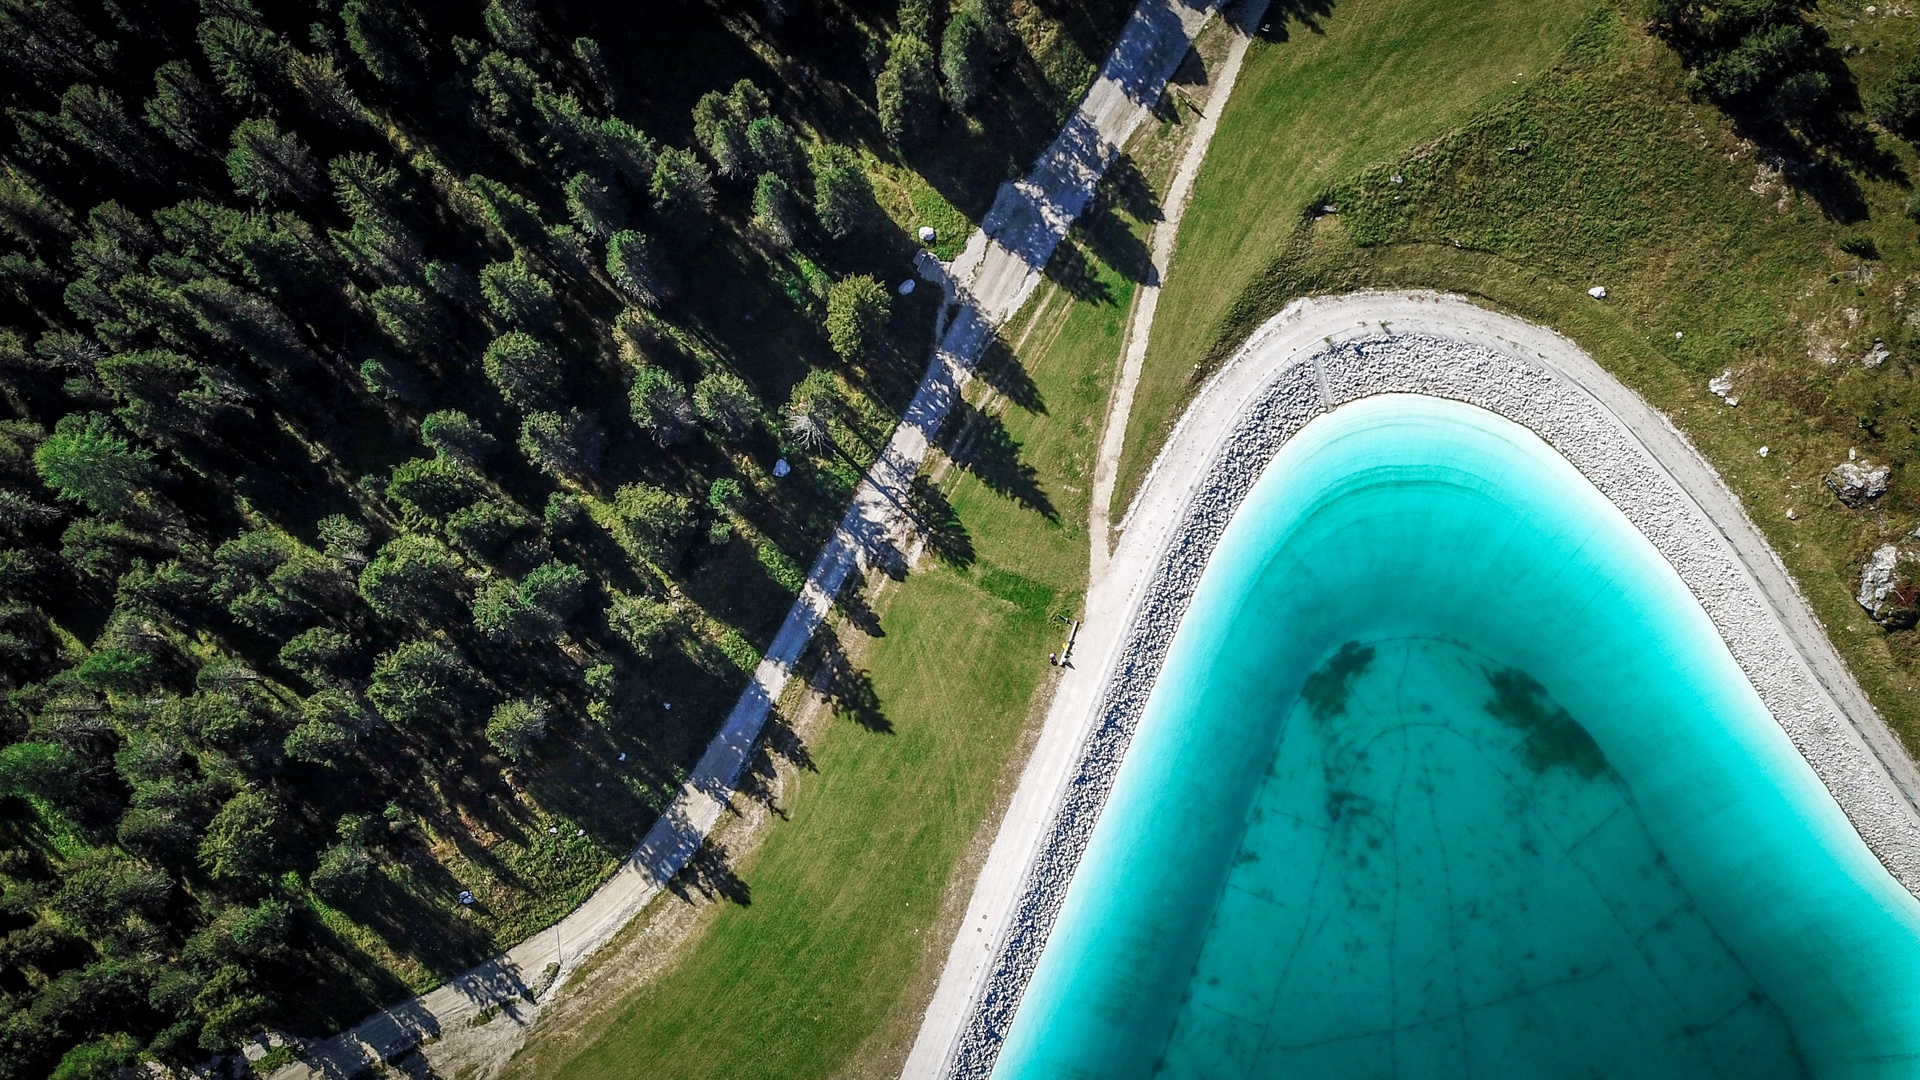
(1315, 356)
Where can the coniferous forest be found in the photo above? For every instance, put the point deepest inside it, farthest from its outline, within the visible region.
(389, 400)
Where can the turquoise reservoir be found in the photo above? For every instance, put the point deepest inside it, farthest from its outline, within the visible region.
(1448, 775)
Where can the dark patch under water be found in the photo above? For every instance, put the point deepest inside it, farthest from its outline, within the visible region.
(1554, 737)
(1328, 689)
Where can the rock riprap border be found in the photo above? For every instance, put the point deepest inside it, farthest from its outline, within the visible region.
(1312, 358)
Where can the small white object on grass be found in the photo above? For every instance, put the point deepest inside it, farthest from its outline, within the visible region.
(1763, 451)
(927, 235)
(466, 897)
(596, 783)
(906, 287)
(666, 704)
(579, 832)
(623, 755)
(1678, 334)
(781, 468)
(1598, 292)
(1791, 516)
(552, 829)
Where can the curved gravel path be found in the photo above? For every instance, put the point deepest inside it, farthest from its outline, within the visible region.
(1312, 357)
(985, 285)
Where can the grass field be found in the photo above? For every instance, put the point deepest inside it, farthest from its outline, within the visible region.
(1598, 169)
(822, 970)
(1325, 90)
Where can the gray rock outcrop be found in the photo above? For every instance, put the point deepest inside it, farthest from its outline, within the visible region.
(1858, 483)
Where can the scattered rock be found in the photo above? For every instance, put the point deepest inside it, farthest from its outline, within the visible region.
(1877, 356)
(906, 286)
(1763, 451)
(1598, 292)
(927, 235)
(1791, 516)
(1720, 386)
(1859, 483)
(1887, 598)
(781, 468)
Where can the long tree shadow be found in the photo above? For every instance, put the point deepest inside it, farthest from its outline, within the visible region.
(946, 534)
(709, 876)
(1308, 13)
(1071, 269)
(983, 446)
(849, 690)
(1002, 370)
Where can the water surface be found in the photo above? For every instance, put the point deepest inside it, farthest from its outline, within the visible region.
(1448, 775)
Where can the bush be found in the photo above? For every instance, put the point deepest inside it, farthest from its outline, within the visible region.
(726, 495)
(1897, 105)
(516, 727)
(857, 312)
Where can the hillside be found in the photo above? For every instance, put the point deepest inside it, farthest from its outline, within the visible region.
(392, 395)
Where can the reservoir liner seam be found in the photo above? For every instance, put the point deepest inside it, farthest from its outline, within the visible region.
(1578, 426)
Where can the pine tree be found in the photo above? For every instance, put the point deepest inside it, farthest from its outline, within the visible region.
(727, 404)
(523, 368)
(660, 405)
(566, 446)
(517, 295)
(654, 523)
(639, 269)
(87, 462)
(96, 119)
(516, 727)
(773, 149)
(248, 61)
(457, 435)
(857, 313)
(907, 92)
(683, 192)
(184, 109)
(418, 682)
(414, 322)
(967, 50)
(643, 622)
(386, 36)
(413, 577)
(776, 213)
(593, 206)
(843, 197)
(270, 165)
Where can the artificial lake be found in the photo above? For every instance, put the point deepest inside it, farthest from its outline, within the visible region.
(1448, 775)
